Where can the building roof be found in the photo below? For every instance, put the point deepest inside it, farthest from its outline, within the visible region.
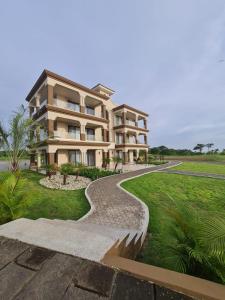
(47, 73)
(130, 108)
(101, 87)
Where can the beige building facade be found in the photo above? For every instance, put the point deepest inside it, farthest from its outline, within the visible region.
(83, 125)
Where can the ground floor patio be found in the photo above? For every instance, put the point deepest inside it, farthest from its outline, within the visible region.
(89, 156)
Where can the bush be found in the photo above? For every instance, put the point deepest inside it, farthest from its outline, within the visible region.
(158, 162)
(65, 170)
(94, 173)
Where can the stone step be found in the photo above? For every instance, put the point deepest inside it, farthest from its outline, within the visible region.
(113, 232)
(69, 240)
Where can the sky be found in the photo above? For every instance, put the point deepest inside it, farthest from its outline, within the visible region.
(165, 57)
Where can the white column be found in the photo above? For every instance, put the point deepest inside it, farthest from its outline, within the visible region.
(37, 101)
(84, 157)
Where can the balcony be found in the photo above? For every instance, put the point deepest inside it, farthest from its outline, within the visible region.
(67, 105)
(66, 135)
(130, 122)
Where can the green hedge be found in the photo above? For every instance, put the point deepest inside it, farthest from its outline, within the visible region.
(94, 173)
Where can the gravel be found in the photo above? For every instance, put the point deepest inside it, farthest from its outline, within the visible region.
(56, 182)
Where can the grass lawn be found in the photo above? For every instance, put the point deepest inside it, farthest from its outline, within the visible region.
(201, 167)
(46, 203)
(199, 157)
(204, 194)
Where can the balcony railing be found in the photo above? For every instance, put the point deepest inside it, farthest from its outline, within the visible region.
(130, 122)
(66, 135)
(66, 105)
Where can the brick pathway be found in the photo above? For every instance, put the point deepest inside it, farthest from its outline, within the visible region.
(113, 206)
(114, 215)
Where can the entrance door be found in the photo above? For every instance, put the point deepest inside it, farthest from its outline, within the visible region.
(91, 158)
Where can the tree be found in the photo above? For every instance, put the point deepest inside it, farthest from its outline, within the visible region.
(193, 243)
(16, 139)
(199, 147)
(65, 170)
(77, 169)
(106, 162)
(12, 193)
(116, 160)
(209, 146)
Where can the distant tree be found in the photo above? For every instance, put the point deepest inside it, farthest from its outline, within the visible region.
(199, 147)
(209, 146)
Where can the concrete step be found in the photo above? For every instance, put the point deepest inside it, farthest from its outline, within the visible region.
(108, 231)
(66, 239)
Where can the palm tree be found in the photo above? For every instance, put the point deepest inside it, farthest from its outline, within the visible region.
(209, 146)
(193, 243)
(116, 160)
(199, 147)
(16, 139)
(106, 162)
(66, 169)
(12, 193)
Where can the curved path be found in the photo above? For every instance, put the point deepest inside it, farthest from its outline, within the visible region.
(115, 215)
(113, 206)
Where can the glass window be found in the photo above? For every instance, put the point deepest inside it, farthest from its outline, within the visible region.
(90, 132)
(73, 106)
(74, 156)
(90, 110)
(74, 132)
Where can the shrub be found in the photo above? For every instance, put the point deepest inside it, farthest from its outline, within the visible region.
(158, 162)
(65, 170)
(193, 243)
(94, 173)
(51, 169)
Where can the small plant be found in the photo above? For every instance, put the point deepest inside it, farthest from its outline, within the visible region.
(51, 169)
(65, 170)
(193, 243)
(12, 193)
(106, 162)
(116, 160)
(78, 168)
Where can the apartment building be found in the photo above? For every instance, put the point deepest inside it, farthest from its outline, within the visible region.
(82, 125)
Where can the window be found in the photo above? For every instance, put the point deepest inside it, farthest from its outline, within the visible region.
(73, 106)
(90, 110)
(118, 120)
(74, 156)
(74, 132)
(90, 132)
(119, 138)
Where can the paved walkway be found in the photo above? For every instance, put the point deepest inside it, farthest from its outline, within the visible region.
(113, 206)
(114, 214)
(198, 174)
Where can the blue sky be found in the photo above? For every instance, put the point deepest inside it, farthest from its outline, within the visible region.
(162, 56)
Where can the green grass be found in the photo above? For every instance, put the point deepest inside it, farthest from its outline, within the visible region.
(201, 167)
(204, 194)
(200, 157)
(47, 203)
